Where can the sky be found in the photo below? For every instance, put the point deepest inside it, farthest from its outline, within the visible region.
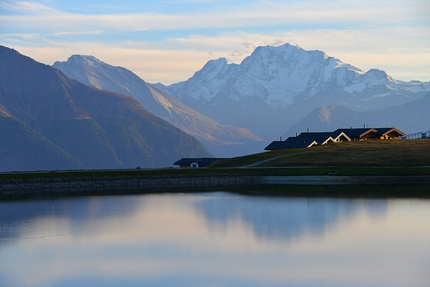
(167, 41)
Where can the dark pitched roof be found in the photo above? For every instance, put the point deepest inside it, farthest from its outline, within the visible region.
(319, 137)
(382, 131)
(291, 142)
(307, 139)
(277, 145)
(352, 132)
(355, 133)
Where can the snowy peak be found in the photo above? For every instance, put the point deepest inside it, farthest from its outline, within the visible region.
(93, 72)
(214, 66)
(377, 77)
(214, 69)
(290, 68)
(82, 61)
(275, 75)
(287, 48)
(281, 75)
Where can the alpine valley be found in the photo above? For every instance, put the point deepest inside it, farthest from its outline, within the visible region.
(49, 121)
(276, 87)
(220, 140)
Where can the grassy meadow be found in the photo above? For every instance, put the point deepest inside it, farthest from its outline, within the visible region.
(371, 153)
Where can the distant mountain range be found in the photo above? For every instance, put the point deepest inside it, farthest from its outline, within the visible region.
(49, 121)
(275, 87)
(409, 117)
(221, 140)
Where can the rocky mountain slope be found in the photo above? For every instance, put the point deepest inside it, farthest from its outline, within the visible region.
(49, 121)
(275, 87)
(221, 140)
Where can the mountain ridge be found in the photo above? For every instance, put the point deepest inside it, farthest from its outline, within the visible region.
(81, 126)
(222, 140)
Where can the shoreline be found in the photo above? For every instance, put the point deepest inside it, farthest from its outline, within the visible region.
(64, 186)
(347, 180)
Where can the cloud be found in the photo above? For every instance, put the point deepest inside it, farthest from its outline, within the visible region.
(169, 47)
(262, 14)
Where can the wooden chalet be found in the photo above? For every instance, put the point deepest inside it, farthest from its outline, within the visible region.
(304, 140)
(390, 133)
(196, 162)
(371, 133)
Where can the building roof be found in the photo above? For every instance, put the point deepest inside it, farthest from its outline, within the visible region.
(354, 132)
(320, 137)
(383, 131)
(308, 139)
(359, 132)
(291, 142)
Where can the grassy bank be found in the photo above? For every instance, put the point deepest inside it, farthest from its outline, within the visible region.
(372, 153)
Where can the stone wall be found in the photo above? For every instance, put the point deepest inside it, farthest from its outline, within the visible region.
(73, 187)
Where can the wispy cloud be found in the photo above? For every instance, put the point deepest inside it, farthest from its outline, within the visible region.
(261, 14)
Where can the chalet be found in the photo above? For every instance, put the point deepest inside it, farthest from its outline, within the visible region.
(339, 136)
(308, 139)
(323, 138)
(196, 162)
(390, 133)
(292, 142)
(371, 133)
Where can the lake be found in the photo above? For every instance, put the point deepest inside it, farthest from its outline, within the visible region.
(214, 239)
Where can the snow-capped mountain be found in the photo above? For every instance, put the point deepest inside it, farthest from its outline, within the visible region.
(275, 87)
(221, 140)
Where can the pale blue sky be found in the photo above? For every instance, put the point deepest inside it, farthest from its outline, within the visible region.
(167, 41)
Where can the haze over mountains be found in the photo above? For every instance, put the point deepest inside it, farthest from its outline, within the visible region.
(49, 121)
(275, 87)
(220, 140)
(409, 117)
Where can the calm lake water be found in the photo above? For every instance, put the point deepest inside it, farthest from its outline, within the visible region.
(214, 239)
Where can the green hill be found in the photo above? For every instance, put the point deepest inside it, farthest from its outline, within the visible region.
(372, 153)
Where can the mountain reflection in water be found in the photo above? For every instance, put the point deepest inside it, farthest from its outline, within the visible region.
(279, 218)
(214, 239)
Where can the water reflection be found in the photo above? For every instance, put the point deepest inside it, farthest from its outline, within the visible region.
(14, 215)
(214, 239)
(280, 219)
